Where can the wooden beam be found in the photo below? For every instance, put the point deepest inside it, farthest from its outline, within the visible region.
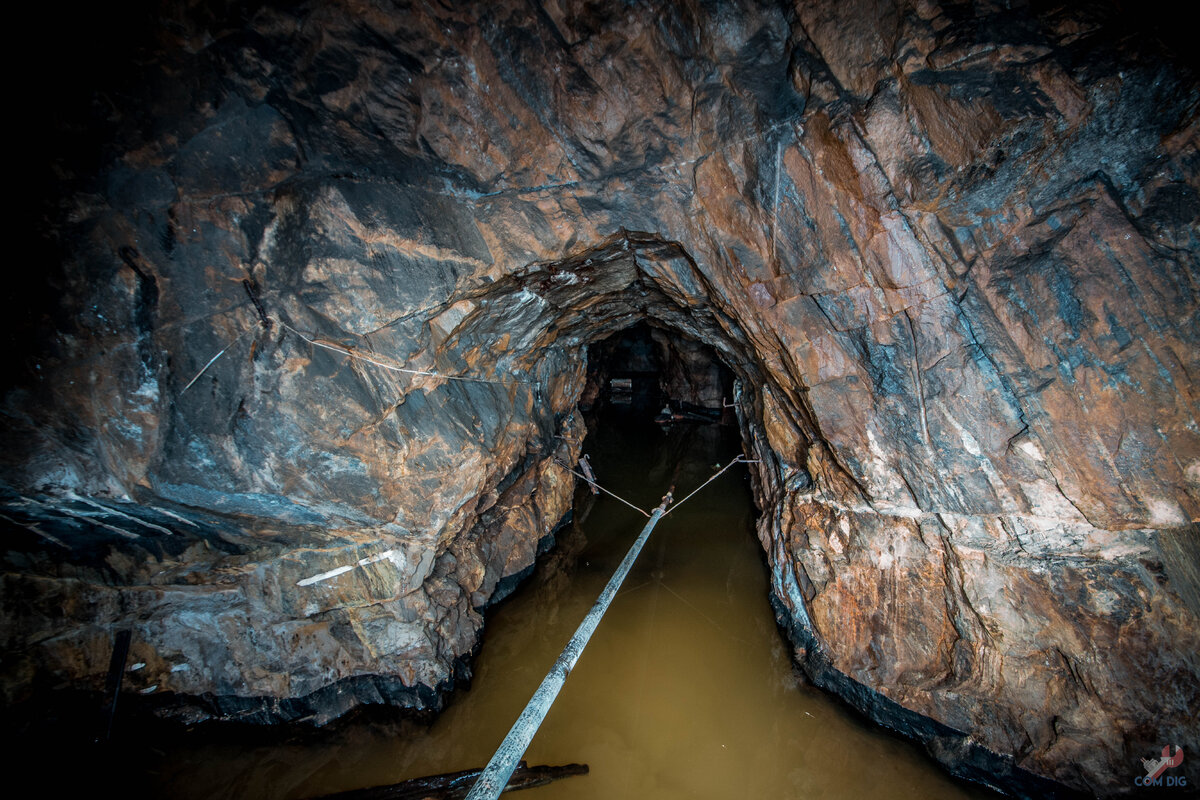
(455, 785)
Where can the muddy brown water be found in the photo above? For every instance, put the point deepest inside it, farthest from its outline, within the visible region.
(685, 691)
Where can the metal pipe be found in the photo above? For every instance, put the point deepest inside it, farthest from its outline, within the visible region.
(495, 775)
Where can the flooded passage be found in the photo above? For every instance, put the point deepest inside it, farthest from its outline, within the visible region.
(685, 691)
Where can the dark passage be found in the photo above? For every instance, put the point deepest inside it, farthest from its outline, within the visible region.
(648, 368)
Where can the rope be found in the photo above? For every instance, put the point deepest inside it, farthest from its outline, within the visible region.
(601, 488)
(352, 353)
(740, 459)
(211, 360)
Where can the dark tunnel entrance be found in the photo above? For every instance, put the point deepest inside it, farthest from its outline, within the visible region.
(655, 405)
(646, 369)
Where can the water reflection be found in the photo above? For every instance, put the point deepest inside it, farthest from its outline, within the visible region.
(685, 691)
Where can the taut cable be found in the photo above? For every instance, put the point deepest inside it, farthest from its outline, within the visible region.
(740, 459)
(601, 488)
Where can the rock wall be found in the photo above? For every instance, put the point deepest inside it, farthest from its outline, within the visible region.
(319, 281)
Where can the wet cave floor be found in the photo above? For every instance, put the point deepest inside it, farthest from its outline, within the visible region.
(685, 691)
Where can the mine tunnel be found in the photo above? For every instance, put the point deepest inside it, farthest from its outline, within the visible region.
(330, 300)
(648, 368)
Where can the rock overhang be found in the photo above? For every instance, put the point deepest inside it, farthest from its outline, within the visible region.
(627, 278)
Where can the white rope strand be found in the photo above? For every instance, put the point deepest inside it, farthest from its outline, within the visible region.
(740, 459)
(601, 488)
(352, 353)
(211, 360)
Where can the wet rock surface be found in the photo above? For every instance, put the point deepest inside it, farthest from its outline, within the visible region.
(320, 280)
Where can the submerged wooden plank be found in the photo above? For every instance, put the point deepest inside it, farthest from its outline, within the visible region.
(455, 785)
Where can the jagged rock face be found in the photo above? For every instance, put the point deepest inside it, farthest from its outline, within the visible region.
(948, 250)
